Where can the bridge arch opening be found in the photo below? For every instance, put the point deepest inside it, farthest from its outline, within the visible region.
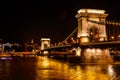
(45, 43)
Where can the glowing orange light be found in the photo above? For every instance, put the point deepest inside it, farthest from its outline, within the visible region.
(91, 11)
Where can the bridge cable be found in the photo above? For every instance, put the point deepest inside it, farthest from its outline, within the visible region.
(93, 21)
(105, 22)
(70, 35)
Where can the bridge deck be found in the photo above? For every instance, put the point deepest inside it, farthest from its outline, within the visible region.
(61, 53)
(90, 44)
(100, 44)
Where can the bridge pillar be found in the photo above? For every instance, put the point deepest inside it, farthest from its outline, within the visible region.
(45, 43)
(89, 28)
(78, 51)
(96, 55)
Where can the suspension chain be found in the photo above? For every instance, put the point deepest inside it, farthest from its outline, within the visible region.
(106, 22)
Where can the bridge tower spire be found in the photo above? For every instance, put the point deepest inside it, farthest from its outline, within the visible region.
(89, 28)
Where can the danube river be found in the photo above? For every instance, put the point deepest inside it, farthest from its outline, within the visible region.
(43, 68)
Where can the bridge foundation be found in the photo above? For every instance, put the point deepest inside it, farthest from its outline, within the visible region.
(91, 55)
(96, 55)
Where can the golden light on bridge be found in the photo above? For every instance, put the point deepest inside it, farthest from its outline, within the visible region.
(84, 39)
(112, 37)
(118, 36)
(91, 11)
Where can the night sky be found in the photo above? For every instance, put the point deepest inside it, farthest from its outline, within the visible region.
(21, 21)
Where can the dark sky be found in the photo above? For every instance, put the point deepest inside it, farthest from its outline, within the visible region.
(21, 21)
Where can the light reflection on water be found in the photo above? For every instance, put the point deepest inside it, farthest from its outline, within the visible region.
(43, 68)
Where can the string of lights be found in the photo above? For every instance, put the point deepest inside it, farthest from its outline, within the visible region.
(109, 22)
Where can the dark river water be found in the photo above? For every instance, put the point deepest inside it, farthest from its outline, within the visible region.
(43, 68)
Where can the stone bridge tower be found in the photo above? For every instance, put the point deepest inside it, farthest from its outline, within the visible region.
(91, 27)
(45, 43)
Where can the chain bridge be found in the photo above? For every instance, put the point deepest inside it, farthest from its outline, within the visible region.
(93, 38)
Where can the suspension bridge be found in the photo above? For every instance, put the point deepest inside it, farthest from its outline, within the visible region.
(91, 39)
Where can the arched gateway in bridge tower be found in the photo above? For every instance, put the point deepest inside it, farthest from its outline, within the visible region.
(89, 27)
(45, 43)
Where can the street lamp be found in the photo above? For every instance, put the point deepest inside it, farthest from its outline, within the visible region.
(119, 37)
(112, 37)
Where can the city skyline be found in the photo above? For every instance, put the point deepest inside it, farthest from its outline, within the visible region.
(24, 21)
